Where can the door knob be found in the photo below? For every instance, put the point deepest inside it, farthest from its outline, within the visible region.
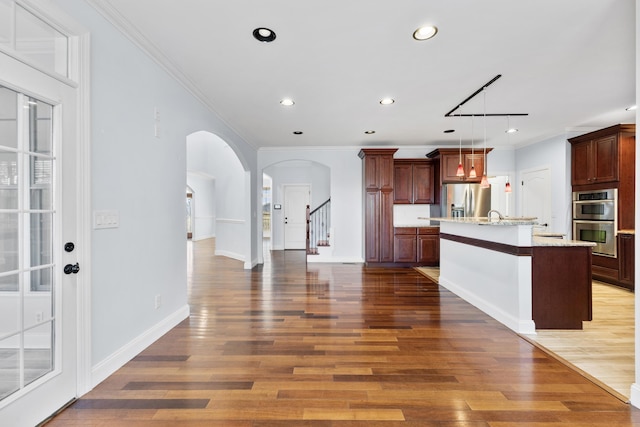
(72, 268)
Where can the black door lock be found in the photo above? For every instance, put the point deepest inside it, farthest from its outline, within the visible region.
(69, 268)
(69, 247)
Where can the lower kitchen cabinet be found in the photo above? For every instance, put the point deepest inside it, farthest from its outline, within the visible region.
(626, 260)
(416, 246)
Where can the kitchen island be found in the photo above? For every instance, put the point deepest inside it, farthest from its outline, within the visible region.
(523, 281)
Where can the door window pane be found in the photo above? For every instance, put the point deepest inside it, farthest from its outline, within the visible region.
(9, 284)
(8, 242)
(41, 280)
(41, 182)
(41, 234)
(8, 117)
(38, 355)
(9, 365)
(8, 180)
(40, 133)
(40, 42)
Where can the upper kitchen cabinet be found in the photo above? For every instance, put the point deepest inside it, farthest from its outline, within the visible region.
(413, 181)
(449, 159)
(599, 157)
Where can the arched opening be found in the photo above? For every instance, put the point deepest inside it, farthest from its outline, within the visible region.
(216, 174)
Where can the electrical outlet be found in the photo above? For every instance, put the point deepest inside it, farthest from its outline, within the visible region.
(158, 301)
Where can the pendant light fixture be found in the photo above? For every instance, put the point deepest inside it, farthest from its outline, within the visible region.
(460, 171)
(507, 187)
(484, 183)
(472, 172)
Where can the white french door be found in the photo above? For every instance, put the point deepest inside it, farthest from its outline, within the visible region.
(38, 302)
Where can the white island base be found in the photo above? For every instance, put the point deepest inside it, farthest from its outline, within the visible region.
(489, 265)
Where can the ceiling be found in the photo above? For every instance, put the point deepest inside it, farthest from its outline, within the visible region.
(569, 65)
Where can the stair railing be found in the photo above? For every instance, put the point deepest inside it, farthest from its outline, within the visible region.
(318, 227)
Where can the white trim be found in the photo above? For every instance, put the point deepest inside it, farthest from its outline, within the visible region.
(118, 359)
(84, 217)
(230, 254)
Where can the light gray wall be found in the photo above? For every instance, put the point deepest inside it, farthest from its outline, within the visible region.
(203, 205)
(554, 154)
(144, 179)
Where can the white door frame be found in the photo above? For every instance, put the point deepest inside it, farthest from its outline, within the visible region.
(521, 193)
(79, 79)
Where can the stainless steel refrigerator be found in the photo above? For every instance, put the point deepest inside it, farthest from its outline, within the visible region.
(465, 200)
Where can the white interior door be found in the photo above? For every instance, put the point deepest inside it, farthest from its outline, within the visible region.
(296, 199)
(536, 196)
(38, 215)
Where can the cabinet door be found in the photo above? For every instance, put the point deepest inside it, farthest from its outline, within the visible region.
(403, 183)
(372, 227)
(371, 172)
(626, 255)
(605, 165)
(386, 225)
(449, 164)
(477, 161)
(404, 247)
(581, 163)
(422, 183)
(385, 172)
(428, 249)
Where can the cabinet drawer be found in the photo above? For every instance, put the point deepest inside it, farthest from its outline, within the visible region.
(405, 230)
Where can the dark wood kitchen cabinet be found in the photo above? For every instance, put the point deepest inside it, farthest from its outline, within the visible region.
(602, 156)
(626, 260)
(449, 158)
(417, 246)
(413, 181)
(378, 204)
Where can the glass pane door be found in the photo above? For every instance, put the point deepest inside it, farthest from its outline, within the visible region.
(27, 291)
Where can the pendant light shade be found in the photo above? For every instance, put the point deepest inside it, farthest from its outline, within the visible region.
(472, 172)
(484, 183)
(507, 187)
(460, 171)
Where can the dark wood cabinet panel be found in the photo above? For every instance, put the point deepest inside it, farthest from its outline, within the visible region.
(605, 159)
(596, 156)
(378, 177)
(372, 229)
(403, 183)
(422, 183)
(561, 287)
(580, 161)
(428, 249)
(626, 260)
(386, 224)
(413, 182)
(446, 162)
(404, 247)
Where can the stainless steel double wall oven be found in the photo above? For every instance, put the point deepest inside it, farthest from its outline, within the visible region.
(595, 219)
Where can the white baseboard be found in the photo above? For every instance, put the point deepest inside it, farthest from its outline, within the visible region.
(119, 358)
(230, 254)
(635, 395)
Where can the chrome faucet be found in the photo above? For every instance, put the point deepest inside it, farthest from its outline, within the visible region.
(494, 211)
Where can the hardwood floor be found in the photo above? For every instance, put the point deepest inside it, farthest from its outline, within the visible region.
(604, 350)
(338, 345)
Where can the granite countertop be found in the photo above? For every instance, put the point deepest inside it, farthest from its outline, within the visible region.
(492, 221)
(627, 232)
(552, 241)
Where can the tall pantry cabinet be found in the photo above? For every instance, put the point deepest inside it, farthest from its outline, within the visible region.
(378, 204)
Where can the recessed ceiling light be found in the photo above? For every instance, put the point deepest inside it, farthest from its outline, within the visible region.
(264, 34)
(297, 132)
(449, 131)
(511, 130)
(369, 132)
(633, 107)
(387, 101)
(425, 33)
(287, 102)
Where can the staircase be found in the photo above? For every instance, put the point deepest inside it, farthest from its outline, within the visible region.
(318, 228)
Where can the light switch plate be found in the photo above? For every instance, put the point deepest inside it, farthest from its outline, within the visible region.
(106, 219)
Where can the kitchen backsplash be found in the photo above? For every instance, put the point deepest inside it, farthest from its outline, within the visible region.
(407, 215)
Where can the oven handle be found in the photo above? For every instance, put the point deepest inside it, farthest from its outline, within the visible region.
(592, 202)
(588, 221)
